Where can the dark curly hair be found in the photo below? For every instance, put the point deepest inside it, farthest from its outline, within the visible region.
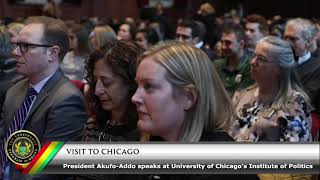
(5, 46)
(122, 57)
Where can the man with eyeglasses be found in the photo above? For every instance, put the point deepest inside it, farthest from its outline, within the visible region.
(234, 67)
(192, 32)
(45, 102)
(300, 34)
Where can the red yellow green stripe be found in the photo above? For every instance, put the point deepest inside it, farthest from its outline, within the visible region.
(21, 167)
(43, 157)
(35, 159)
(50, 156)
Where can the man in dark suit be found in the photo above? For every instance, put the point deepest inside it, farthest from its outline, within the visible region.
(300, 34)
(57, 112)
(193, 32)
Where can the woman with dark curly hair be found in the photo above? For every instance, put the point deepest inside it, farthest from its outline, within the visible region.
(8, 74)
(110, 75)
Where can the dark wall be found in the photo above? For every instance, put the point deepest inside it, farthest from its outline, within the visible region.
(269, 8)
(88, 8)
(182, 8)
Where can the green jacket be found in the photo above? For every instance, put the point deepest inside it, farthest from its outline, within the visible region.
(238, 79)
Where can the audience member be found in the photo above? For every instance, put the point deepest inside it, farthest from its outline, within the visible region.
(189, 31)
(111, 74)
(300, 34)
(126, 32)
(256, 28)
(57, 111)
(73, 63)
(234, 68)
(51, 9)
(146, 38)
(8, 74)
(100, 36)
(206, 15)
(197, 107)
(183, 78)
(276, 108)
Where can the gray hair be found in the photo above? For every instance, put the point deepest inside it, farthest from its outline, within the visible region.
(281, 52)
(306, 27)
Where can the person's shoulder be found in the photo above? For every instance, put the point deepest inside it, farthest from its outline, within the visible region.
(245, 95)
(20, 84)
(296, 97)
(315, 61)
(312, 62)
(64, 90)
(219, 63)
(251, 89)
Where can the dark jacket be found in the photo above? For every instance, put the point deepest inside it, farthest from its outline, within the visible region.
(8, 77)
(206, 136)
(57, 114)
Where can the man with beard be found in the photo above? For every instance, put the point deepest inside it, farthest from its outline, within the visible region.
(234, 68)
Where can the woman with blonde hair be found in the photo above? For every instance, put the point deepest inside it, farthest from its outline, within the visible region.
(276, 108)
(180, 96)
(100, 35)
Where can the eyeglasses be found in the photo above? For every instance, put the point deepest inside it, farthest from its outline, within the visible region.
(291, 39)
(226, 42)
(24, 47)
(261, 59)
(183, 36)
(139, 39)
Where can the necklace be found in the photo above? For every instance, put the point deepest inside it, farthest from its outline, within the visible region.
(104, 129)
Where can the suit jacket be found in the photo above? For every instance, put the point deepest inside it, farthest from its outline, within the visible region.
(211, 54)
(309, 75)
(58, 114)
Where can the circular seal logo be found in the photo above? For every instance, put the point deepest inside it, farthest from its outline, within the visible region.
(22, 146)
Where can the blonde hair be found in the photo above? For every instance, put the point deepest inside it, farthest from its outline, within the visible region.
(102, 34)
(207, 8)
(281, 52)
(186, 65)
(16, 27)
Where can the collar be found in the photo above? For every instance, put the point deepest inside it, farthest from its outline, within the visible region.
(304, 58)
(199, 44)
(40, 84)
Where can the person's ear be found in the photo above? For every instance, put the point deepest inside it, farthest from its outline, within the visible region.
(242, 43)
(53, 52)
(195, 40)
(191, 96)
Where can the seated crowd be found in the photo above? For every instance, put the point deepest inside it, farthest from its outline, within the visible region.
(97, 80)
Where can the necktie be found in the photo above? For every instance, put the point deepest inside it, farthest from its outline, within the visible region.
(18, 121)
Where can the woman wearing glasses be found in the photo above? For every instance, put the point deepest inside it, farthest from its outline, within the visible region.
(111, 74)
(276, 108)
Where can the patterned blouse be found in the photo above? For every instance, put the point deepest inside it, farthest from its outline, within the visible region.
(259, 122)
